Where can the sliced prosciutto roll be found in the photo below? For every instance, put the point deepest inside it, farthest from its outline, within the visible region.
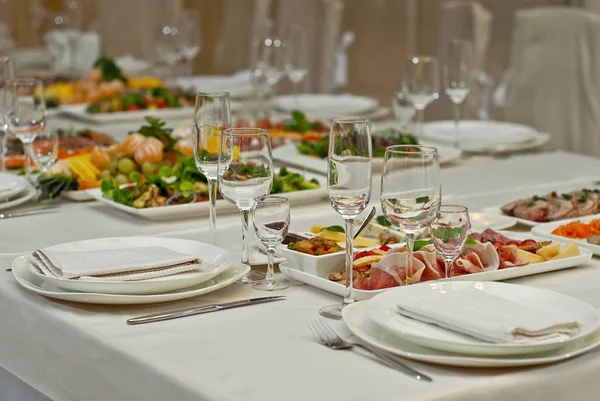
(476, 258)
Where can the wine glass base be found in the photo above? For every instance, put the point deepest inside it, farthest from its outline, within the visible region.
(252, 277)
(332, 311)
(277, 285)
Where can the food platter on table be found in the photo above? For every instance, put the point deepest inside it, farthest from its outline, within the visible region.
(553, 255)
(584, 231)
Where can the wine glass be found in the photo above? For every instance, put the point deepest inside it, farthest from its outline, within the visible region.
(44, 149)
(7, 75)
(349, 186)
(245, 177)
(449, 233)
(266, 73)
(458, 76)
(295, 55)
(271, 218)
(410, 191)
(403, 109)
(421, 84)
(212, 114)
(27, 114)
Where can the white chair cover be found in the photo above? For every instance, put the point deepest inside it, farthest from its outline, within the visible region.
(554, 81)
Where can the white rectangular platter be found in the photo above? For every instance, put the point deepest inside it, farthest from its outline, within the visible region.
(323, 283)
(545, 231)
(202, 208)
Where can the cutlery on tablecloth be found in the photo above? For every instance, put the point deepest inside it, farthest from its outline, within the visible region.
(330, 339)
(157, 317)
(29, 212)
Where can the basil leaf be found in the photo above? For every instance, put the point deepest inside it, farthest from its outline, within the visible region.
(567, 196)
(337, 229)
(381, 220)
(420, 243)
(471, 241)
(422, 199)
(447, 234)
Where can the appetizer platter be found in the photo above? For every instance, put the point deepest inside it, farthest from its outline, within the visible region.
(554, 206)
(487, 256)
(584, 231)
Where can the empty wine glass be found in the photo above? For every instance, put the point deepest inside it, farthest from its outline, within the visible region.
(449, 233)
(7, 75)
(271, 219)
(295, 62)
(27, 113)
(245, 177)
(212, 115)
(403, 109)
(458, 77)
(410, 191)
(349, 186)
(44, 149)
(421, 84)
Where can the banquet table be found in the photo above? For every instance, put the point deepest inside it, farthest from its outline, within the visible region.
(71, 352)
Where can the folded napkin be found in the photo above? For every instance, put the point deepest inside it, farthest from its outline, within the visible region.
(127, 264)
(487, 317)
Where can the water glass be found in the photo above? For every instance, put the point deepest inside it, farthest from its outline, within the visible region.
(349, 186)
(245, 177)
(295, 57)
(410, 192)
(449, 233)
(421, 84)
(44, 149)
(212, 115)
(7, 75)
(271, 219)
(458, 77)
(403, 110)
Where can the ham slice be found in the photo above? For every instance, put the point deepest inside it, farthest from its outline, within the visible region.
(477, 258)
(508, 256)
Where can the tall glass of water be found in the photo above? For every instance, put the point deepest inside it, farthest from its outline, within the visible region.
(27, 114)
(349, 185)
(7, 75)
(421, 84)
(212, 115)
(458, 77)
(410, 192)
(245, 177)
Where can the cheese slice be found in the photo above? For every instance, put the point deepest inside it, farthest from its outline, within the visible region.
(549, 251)
(528, 257)
(568, 252)
(360, 242)
(367, 260)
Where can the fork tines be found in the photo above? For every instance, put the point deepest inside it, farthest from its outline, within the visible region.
(322, 330)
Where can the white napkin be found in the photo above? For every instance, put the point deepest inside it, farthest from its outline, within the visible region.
(128, 264)
(487, 317)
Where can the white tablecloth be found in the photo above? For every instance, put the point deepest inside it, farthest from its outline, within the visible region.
(72, 352)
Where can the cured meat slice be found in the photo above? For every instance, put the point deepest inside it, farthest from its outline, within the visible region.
(477, 258)
(510, 207)
(560, 208)
(508, 256)
(534, 210)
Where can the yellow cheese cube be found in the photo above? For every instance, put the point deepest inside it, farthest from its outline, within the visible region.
(549, 251)
(568, 252)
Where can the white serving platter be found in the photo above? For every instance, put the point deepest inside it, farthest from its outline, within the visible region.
(325, 104)
(544, 230)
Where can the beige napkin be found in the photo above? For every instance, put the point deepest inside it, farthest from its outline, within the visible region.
(129, 264)
(487, 317)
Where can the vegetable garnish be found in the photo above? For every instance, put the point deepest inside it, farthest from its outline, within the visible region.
(301, 124)
(381, 220)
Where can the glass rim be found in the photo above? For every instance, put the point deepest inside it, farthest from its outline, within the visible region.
(349, 120)
(237, 131)
(424, 150)
(458, 208)
(212, 94)
(274, 199)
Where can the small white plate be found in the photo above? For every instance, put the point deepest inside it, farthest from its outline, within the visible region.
(32, 283)
(545, 230)
(475, 133)
(481, 221)
(382, 310)
(239, 87)
(11, 185)
(26, 196)
(215, 261)
(325, 104)
(77, 196)
(359, 324)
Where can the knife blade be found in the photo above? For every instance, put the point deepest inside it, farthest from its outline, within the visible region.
(28, 212)
(157, 317)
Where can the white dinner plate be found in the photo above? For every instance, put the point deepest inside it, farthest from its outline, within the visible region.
(481, 221)
(289, 154)
(323, 283)
(544, 230)
(382, 310)
(34, 284)
(238, 86)
(215, 261)
(21, 198)
(478, 134)
(200, 209)
(11, 185)
(325, 105)
(359, 324)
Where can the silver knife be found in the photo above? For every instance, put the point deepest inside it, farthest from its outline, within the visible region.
(28, 212)
(157, 317)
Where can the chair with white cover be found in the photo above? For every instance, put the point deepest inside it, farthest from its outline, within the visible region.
(468, 20)
(554, 81)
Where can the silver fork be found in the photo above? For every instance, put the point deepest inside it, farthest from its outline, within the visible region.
(331, 340)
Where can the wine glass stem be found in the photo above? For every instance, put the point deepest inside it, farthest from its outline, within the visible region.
(270, 277)
(421, 119)
(245, 251)
(410, 245)
(27, 151)
(212, 197)
(349, 293)
(448, 264)
(3, 143)
(457, 124)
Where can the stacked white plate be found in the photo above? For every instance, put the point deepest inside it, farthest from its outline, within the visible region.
(218, 270)
(326, 105)
(14, 191)
(377, 323)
